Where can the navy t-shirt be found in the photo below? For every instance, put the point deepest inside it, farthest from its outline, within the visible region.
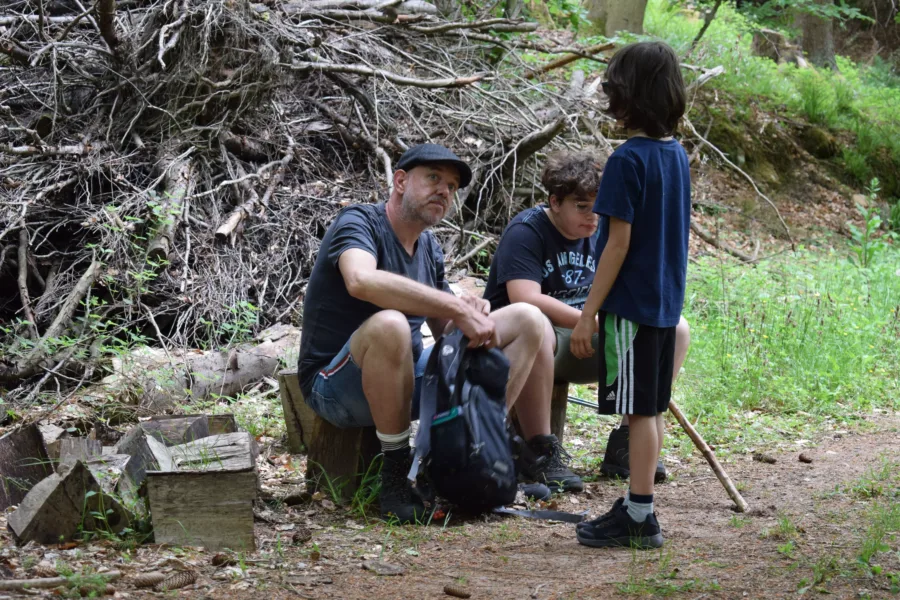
(532, 248)
(647, 182)
(330, 313)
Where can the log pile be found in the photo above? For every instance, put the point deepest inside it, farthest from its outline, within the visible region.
(170, 475)
(168, 167)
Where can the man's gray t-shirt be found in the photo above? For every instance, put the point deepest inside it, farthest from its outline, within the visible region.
(330, 313)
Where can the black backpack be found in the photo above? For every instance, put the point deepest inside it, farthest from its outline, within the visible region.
(463, 441)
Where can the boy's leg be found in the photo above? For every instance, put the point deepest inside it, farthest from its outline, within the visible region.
(635, 379)
(615, 461)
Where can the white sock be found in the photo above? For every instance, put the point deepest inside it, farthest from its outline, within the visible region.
(393, 441)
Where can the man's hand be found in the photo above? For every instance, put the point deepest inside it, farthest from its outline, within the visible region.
(479, 304)
(475, 323)
(580, 343)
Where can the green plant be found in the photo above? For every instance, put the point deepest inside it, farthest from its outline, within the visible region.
(738, 522)
(816, 98)
(367, 494)
(865, 243)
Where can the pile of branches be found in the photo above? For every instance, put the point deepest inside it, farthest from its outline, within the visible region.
(168, 167)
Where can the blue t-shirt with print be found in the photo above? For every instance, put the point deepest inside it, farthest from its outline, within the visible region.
(532, 248)
(647, 182)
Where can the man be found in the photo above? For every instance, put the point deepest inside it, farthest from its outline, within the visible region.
(378, 276)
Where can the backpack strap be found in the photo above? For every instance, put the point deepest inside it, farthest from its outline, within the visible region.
(547, 515)
(444, 363)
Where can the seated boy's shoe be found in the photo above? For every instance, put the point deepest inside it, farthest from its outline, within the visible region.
(607, 515)
(543, 459)
(397, 499)
(619, 529)
(615, 460)
(535, 491)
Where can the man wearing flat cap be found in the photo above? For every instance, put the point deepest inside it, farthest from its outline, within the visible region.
(378, 276)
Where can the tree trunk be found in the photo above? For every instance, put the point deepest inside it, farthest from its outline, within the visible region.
(597, 11)
(818, 38)
(625, 15)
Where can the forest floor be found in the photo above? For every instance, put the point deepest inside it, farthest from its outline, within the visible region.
(812, 528)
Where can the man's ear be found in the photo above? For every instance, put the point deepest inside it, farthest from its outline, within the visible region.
(400, 179)
(554, 202)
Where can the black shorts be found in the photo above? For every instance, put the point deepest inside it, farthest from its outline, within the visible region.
(636, 365)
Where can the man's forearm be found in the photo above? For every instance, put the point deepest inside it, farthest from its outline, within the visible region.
(608, 268)
(390, 291)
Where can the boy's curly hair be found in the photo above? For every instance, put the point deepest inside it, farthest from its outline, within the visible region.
(573, 173)
(646, 89)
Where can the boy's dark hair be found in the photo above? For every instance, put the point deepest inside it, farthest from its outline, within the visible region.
(573, 173)
(645, 88)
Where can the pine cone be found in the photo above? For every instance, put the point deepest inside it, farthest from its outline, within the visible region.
(148, 579)
(45, 569)
(301, 536)
(456, 592)
(176, 581)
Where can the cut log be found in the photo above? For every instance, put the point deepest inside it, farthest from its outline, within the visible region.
(219, 424)
(78, 448)
(23, 463)
(178, 429)
(112, 473)
(341, 455)
(62, 505)
(225, 452)
(156, 380)
(208, 500)
(53, 436)
(147, 454)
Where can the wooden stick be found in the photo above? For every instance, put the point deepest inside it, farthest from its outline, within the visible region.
(47, 582)
(23, 284)
(561, 62)
(710, 458)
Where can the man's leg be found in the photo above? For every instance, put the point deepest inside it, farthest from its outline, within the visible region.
(520, 328)
(382, 348)
(543, 459)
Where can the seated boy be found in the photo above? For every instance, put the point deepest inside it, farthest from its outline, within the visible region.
(547, 257)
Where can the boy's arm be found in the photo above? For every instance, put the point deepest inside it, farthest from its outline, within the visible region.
(608, 268)
(559, 313)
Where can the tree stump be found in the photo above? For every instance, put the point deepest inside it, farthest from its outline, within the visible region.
(179, 429)
(337, 459)
(559, 401)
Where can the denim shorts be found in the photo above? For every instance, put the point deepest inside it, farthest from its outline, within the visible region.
(337, 392)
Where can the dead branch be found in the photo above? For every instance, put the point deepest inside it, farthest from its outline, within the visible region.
(712, 241)
(563, 61)
(179, 183)
(746, 176)
(106, 21)
(64, 316)
(245, 147)
(365, 71)
(74, 149)
(245, 209)
(706, 76)
(8, 585)
(531, 143)
(468, 255)
(23, 283)
(15, 52)
(505, 25)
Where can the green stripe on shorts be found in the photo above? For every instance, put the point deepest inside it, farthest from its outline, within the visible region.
(612, 329)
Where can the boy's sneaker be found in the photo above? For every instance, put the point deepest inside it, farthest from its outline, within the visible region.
(397, 499)
(617, 528)
(615, 460)
(543, 459)
(607, 515)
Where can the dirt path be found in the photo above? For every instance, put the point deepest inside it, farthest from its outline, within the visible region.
(806, 527)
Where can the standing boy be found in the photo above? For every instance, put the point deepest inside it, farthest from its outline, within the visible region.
(638, 289)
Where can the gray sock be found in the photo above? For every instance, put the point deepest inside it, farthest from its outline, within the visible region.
(639, 506)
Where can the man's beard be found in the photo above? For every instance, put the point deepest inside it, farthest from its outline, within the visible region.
(417, 214)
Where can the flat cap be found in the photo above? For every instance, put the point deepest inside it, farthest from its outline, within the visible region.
(434, 153)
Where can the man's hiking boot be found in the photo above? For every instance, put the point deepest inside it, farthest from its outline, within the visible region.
(397, 499)
(543, 459)
(615, 461)
(535, 491)
(617, 528)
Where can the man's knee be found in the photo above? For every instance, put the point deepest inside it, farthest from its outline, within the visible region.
(388, 331)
